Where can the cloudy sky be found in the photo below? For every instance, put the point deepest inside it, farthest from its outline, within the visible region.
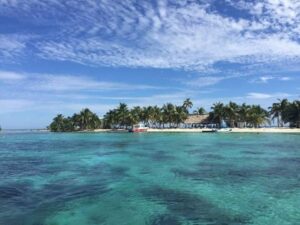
(59, 56)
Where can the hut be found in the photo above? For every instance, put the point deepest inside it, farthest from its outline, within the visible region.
(197, 121)
(241, 124)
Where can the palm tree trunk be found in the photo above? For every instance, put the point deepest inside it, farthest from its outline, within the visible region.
(232, 123)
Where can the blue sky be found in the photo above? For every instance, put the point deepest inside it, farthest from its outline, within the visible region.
(60, 56)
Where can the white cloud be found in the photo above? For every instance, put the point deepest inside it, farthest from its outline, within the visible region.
(10, 76)
(204, 81)
(285, 78)
(266, 79)
(61, 82)
(11, 46)
(256, 95)
(164, 35)
(13, 105)
(78, 83)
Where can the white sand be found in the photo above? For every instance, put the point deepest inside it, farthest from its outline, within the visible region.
(234, 130)
(198, 130)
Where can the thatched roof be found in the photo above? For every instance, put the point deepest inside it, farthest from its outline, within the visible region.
(197, 119)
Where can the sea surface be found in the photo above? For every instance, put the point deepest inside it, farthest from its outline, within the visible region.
(149, 179)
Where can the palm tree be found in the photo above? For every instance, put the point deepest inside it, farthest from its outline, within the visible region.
(200, 111)
(275, 112)
(57, 123)
(277, 109)
(180, 115)
(122, 115)
(110, 119)
(150, 115)
(218, 113)
(61, 124)
(257, 116)
(135, 115)
(168, 113)
(242, 113)
(95, 122)
(187, 104)
(231, 113)
(292, 114)
(85, 119)
(77, 123)
(144, 115)
(157, 115)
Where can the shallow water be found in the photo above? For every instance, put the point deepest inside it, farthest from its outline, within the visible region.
(151, 179)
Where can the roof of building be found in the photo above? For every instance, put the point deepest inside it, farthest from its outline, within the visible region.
(197, 119)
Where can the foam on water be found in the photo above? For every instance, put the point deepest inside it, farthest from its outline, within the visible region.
(151, 179)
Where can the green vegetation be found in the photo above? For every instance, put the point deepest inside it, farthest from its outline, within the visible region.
(286, 112)
(291, 114)
(200, 111)
(277, 109)
(172, 116)
(234, 114)
(153, 116)
(85, 120)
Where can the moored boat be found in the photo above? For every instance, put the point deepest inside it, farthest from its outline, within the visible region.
(138, 128)
(224, 130)
(209, 131)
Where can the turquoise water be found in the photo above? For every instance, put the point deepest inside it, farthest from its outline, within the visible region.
(153, 179)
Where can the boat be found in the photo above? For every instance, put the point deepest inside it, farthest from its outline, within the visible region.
(138, 128)
(209, 131)
(224, 130)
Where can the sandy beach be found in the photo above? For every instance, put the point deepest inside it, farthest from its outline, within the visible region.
(233, 130)
(197, 130)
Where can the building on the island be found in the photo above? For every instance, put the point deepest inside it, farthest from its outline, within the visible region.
(198, 121)
(241, 124)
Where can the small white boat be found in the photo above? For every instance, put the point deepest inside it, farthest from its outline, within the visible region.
(138, 128)
(224, 130)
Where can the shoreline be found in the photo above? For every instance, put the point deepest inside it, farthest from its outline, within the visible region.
(199, 130)
(233, 130)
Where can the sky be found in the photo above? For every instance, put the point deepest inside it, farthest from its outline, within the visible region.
(60, 56)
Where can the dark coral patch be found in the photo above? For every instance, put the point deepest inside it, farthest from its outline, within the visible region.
(164, 219)
(191, 207)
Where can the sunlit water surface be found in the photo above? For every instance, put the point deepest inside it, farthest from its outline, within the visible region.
(153, 179)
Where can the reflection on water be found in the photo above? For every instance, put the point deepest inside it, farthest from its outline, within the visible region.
(151, 179)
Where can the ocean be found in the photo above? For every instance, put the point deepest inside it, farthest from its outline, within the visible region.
(149, 178)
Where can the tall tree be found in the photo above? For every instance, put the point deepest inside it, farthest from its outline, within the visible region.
(61, 124)
(257, 116)
(200, 111)
(110, 119)
(187, 104)
(230, 111)
(292, 114)
(277, 109)
(180, 115)
(122, 114)
(57, 123)
(85, 119)
(157, 116)
(242, 113)
(135, 115)
(168, 111)
(218, 112)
